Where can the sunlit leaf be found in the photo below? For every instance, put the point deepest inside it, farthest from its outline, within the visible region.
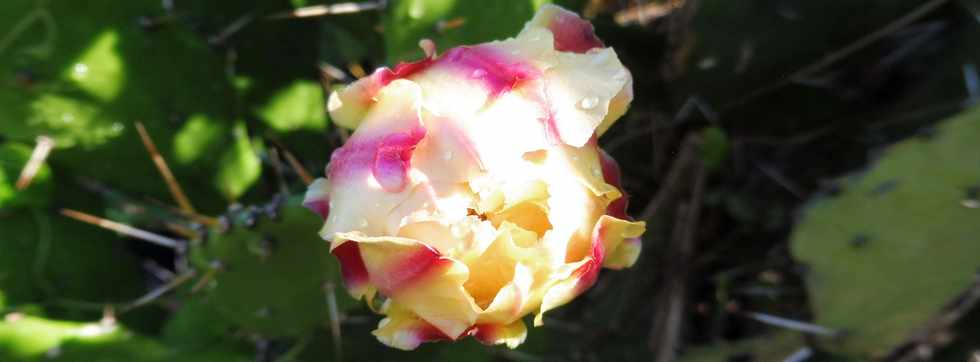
(451, 22)
(199, 136)
(239, 167)
(297, 106)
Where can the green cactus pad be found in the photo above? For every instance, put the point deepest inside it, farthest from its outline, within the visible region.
(30, 338)
(272, 275)
(899, 242)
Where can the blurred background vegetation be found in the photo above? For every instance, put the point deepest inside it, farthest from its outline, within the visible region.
(809, 172)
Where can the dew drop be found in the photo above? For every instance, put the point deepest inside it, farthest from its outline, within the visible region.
(80, 69)
(448, 155)
(363, 223)
(67, 118)
(588, 102)
(478, 73)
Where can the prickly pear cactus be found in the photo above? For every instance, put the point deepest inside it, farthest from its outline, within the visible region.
(31, 338)
(899, 242)
(267, 277)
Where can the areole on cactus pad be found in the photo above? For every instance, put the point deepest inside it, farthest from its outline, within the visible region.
(473, 191)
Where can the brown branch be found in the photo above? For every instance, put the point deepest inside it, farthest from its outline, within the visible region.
(668, 321)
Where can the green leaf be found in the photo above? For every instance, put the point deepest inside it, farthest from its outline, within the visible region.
(239, 167)
(714, 148)
(408, 21)
(297, 106)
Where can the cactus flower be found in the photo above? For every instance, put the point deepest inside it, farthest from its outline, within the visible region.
(473, 192)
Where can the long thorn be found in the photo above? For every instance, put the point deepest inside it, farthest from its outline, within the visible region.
(333, 9)
(213, 269)
(168, 177)
(156, 293)
(296, 166)
(198, 218)
(158, 271)
(124, 229)
(334, 315)
(277, 166)
(40, 153)
(791, 324)
(231, 29)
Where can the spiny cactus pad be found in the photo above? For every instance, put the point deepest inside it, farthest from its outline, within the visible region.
(899, 241)
(270, 279)
(30, 338)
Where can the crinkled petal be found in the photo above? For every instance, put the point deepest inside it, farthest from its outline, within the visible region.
(512, 335)
(562, 288)
(404, 330)
(370, 175)
(317, 197)
(580, 89)
(349, 106)
(625, 255)
(511, 300)
(618, 238)
(417, 277)
(572, 33)
(353, 270)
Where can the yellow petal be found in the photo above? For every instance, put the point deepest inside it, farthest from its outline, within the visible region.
(564, 286)
(415, 276)
(404, 330)
(511, 300)
(625, 255)
(512, 334)
(619, 239)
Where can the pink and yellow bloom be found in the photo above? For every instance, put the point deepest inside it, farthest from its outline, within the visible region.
(473, 192)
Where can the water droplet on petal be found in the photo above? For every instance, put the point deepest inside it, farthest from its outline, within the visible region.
(448, 155)
(478, 73)
(588, 102)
